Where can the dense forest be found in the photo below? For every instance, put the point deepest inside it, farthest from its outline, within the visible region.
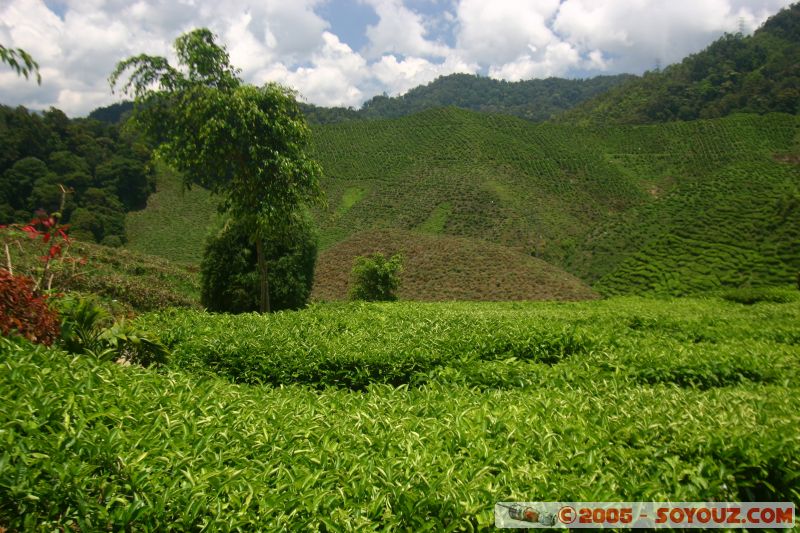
(737, 73)
(104, 171)
(536, 100)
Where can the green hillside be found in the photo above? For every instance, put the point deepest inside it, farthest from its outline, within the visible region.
(491, 177)
(757, 74)
(126, 279)
(537, 99)
(672, 208)
(675, 208)
(175, 222)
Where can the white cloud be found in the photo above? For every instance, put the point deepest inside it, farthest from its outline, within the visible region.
(637, 33)
(557, 60)
(331, 80)
(500, 31)
(400, 30)
(402, 75)
(290, 42)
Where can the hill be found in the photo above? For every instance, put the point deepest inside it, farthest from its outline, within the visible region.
(175, 221)
(537, 100)
(667, 208)
(126, 280)
(758, 74)
(491, 177)
(684, 199)
(438, 267)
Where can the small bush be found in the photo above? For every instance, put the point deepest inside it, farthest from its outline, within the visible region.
(24, 312)
(229, 275)
(82, 321)
(375, 278)
(88, 329)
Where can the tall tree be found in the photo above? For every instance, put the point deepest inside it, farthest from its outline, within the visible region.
(248, 144)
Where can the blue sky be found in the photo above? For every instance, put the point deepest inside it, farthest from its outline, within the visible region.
(337, 52)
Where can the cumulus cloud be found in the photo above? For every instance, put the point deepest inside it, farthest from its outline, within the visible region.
(331, 80)
(404, 74)
(557, 60)
(400, 30)
(78, 42)
(634, 35)
(78, 51)
(500, 31)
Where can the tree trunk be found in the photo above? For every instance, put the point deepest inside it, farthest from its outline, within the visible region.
(262, 273)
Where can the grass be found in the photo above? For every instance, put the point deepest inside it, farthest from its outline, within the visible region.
(617, 400)
(437, 220)
(175, 223)
(351, 197)
(443, 267)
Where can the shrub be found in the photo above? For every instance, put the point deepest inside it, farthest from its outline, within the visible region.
(375, 278)
(24, 312)
(82, 320)
(87, 328)
(229, 277)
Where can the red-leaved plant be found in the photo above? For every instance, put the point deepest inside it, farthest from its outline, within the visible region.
(24, 312)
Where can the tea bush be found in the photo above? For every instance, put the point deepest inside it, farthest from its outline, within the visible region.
(94, 446)
(691, 343)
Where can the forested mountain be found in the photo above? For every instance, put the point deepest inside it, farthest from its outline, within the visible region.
(105, 173)
(112, 113)
(535, 100)
(755, 74)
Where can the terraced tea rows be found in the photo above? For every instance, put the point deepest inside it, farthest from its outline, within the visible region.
(623, 399)
(673, 208)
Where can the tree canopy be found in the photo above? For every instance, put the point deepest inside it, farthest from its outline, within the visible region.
(248, 144)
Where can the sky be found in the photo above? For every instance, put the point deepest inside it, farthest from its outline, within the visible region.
(343, 52)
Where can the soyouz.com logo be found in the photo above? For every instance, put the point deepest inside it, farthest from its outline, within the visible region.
(630, 515)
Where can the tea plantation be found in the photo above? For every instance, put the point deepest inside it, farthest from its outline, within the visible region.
(672, 209)
(405, 416)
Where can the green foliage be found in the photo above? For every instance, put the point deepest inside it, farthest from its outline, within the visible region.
(755, 74)
(128, 344)
(536, 100)
(375, 278)
(228, 272)
(105, 172)
(87, 328)
(750, 296)
(82, 322)
(684, 400)
(692, 342)
(246, 143)
(21, 61)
